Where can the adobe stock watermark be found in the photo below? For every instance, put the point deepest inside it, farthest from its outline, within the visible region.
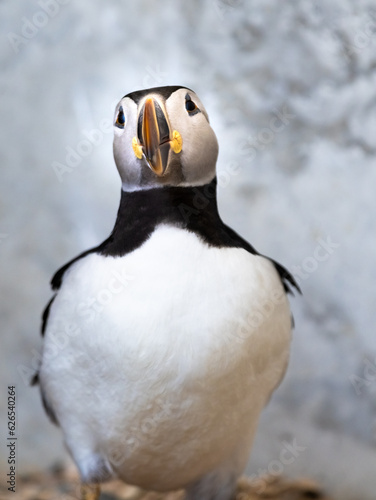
(154, 77)
(59, 339)
(265, 136)
(225, 7)
(289, 453)
(359, 39)
(86, 312)
(144, 430)
(262, 310)
(323, 250)
(267, 303)
(30, 27)
(203, 196)
(94, 305)
(368, 376)
(74, 156)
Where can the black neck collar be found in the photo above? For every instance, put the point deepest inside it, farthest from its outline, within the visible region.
(191, 208)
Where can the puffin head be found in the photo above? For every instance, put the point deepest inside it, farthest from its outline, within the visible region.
(162, 136)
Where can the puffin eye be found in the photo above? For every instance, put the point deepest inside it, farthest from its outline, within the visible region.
(190, 106)
(120, 119)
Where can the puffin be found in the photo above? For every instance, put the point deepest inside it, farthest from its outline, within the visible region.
(162, 345)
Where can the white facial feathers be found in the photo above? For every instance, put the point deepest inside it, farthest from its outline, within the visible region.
(184, 112)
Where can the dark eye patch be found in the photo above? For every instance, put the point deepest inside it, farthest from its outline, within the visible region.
(191, 106)
(120, 119)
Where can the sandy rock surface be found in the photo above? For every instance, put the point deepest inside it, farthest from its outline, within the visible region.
(61, 483)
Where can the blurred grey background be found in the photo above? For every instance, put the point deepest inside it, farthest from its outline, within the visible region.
(290, 88)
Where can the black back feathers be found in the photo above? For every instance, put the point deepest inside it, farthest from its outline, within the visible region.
(164, 92)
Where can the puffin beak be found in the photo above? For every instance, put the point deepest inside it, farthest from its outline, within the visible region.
(154, 136)
(154, 140)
